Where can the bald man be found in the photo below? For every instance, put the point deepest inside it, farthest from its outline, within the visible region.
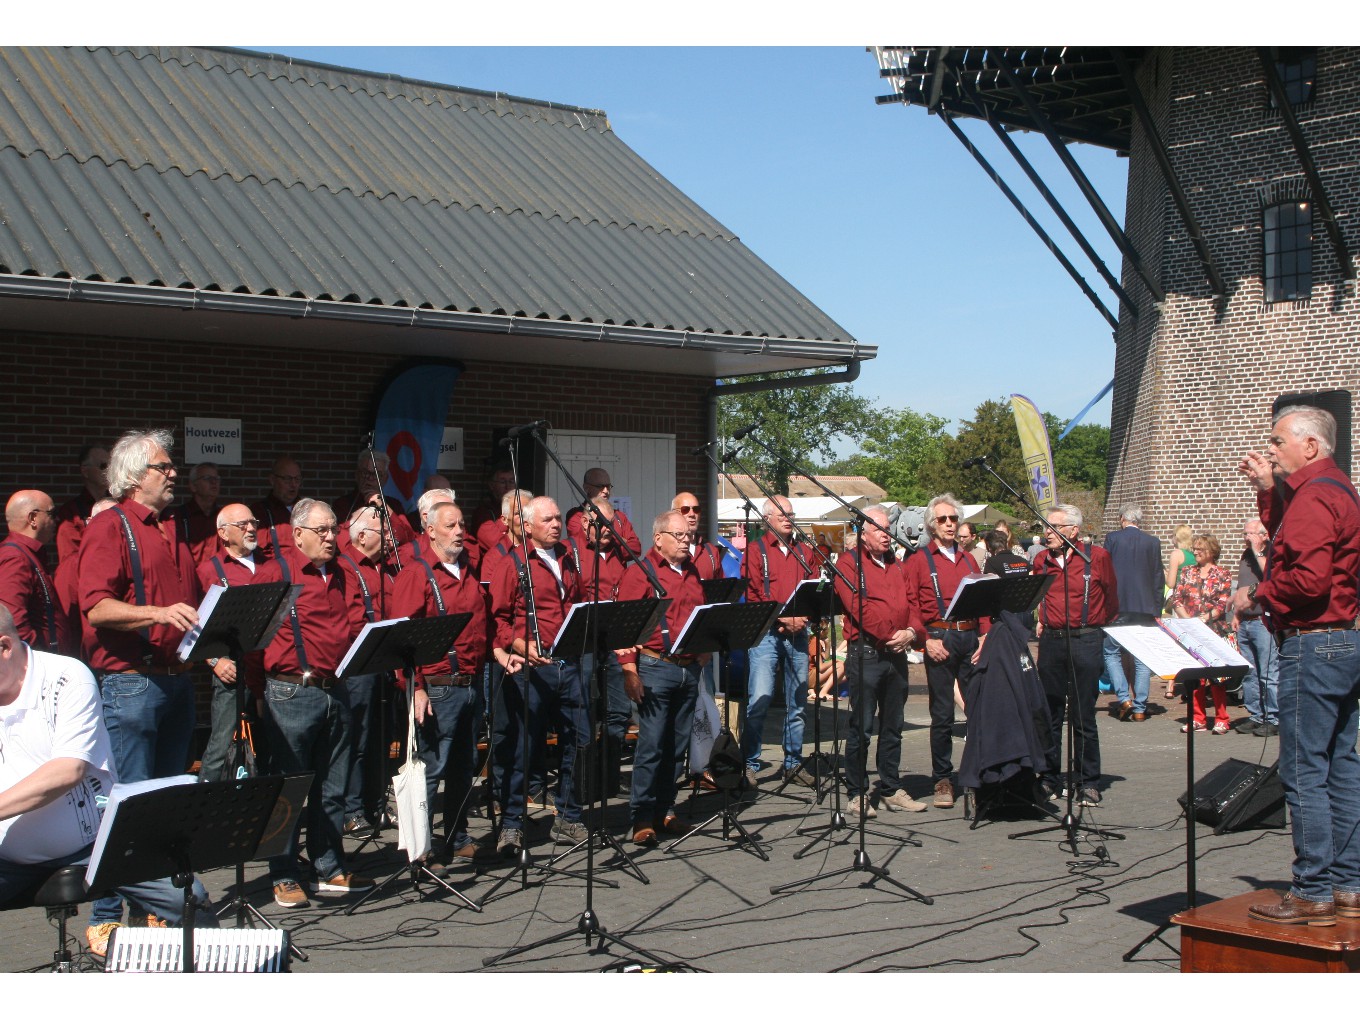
(706, 557)
(26, 588)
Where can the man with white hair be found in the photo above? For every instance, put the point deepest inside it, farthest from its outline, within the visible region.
(368, 487)
(1311, 508)
(26, 588)
(1260, 690)
(1137, 560)
(934, 573)
(429, 499)
(139, 591)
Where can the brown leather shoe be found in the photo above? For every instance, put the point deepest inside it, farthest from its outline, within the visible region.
(644, 835)
(473, 851)
(1291, 910)
(1347, 903)
(1122, 710)
(944, 794)
(673, 826)
(1139, 717)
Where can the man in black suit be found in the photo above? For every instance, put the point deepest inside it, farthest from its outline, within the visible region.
(1137, 560)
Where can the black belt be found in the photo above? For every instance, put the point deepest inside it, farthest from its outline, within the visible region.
(456, 680)
(1289, 632)
(1072, 631)
(319, 680)
(674, 660)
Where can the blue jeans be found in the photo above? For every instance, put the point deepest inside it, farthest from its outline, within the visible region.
(158, 896)
(1260, 690)
(619, 710)
(1114, 665)
(150, 720)
(665, 724)
(792, 653)
(882, 689)
(223, 727)
(307, 729)
(1319, 766)
(361, 709)
(554, 694)
(940, 677)
(448, 747)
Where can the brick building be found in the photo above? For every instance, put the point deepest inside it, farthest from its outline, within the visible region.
(197, 232)
(1242, 223)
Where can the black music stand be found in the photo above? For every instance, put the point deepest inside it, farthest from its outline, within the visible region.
(1188, 680)
(719, 629)
(233, 621)
(177, 830)
(723, 589)
(386, 647)
(817, 600)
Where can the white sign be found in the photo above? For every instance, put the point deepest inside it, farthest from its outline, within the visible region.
(212, 440)
(451, 451)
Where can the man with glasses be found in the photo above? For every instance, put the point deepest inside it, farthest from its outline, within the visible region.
(196, 517)
(1082, 600)
(234, 564)
(306, 707)
(76, 512)
(26, 588)
(598, 490)
(951, 646)
(139, 591)
(773, 567)
(275, 511)
(368, 488)
(706, 557)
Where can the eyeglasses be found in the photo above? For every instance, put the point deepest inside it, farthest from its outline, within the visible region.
(289, 478)
(679, 536)
(688, 509)
(322, 531)
(950, 519)
(242, 524)
(166, 468)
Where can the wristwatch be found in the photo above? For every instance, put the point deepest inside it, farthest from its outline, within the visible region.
(1251, 592)
(212, 663)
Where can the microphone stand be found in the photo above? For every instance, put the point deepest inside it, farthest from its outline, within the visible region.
(1071, 822)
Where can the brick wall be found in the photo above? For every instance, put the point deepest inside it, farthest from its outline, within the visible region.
(1194, 382)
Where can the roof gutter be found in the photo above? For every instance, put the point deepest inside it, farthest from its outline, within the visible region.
(710, 401)
(188, 299)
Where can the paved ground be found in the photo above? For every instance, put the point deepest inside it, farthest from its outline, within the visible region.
(998, 905)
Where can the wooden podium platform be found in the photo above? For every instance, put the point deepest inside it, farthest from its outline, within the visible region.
(1221, 938)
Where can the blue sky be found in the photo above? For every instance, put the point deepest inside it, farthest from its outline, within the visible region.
(874, 212)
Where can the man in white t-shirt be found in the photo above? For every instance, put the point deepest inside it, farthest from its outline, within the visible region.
(56, 768)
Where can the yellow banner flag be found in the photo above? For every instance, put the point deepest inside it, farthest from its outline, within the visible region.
(1038, 457)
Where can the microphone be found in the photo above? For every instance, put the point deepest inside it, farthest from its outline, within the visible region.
(366, 440)
(700, 449)
(515, 431)
(730, 454)
(974, 461)
(741, 434)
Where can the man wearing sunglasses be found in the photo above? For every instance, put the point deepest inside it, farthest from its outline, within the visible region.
(26, 588)
(951, 646)
(599, 488)
(706, 557)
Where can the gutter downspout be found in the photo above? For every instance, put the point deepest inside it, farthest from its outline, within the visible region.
(849, 374)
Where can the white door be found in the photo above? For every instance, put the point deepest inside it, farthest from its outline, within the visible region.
(640, 464)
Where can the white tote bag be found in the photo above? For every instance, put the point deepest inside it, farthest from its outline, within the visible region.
(408, 786)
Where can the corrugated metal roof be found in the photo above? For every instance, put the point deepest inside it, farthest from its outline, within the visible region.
(220, 169)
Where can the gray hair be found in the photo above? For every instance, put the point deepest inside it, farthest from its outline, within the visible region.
(662, 519)
(379, 458)
(1072, 513)
(1310, 421)
(531, 507)
(944, 497)
(1132, 512)
(198, 469)
(429, 498)
(508, 501)
(303, 508)
(356, 520)
(131, 456)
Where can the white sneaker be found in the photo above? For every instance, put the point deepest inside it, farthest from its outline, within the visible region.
(901, 801)
(852, 809)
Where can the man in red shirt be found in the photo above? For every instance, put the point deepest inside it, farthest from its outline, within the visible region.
(706, 557)
(598, 490)
(551, 686)
(275, 510)
(26, 588)
(139, 593)
(75, 513)
(662, 685)
(601, 570)
(307, 708)
(500, 479)
(1082, 599)
(447, 695)
(951, 646)
(367, 488)
(882, 683)
(1309, 597)
(235, 563)
(196, 517)
(71, 627)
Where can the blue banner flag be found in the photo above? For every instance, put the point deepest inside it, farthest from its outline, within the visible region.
(410, 425)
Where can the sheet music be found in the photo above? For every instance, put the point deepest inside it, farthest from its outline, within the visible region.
(964, 585)
(1154, 648)
(1199, 639)
(205, 611)
(120, 793)
(576, 607)
(679, 640)
(363, 634)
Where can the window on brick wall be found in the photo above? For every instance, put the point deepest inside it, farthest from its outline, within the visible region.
(1288, 246)
(1297, 68)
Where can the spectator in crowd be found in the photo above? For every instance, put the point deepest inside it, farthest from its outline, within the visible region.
(1260, 688)
(1203, 593)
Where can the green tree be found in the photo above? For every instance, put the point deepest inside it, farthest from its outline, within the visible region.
(990, 434)
(799, 424)
(895, 446)
(1081, 459)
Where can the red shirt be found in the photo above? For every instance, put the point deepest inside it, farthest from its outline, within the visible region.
(785, 571)
(412, 596)
(370, 589)
(683, 586)
(322, 615)
(29, 593)
(490, 534)
(886, 606)
(925, 607)
(1103, 604)
(552, 598)
(71, 517)
(237, 573)
(104, 571)
(70, 624)
(401, 527)
(276, 524)
(576, 528)
(197, 528)
(611, 571)
(1315, 553)
(707, 559)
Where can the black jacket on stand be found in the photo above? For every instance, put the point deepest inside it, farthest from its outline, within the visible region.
(1007, 711)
